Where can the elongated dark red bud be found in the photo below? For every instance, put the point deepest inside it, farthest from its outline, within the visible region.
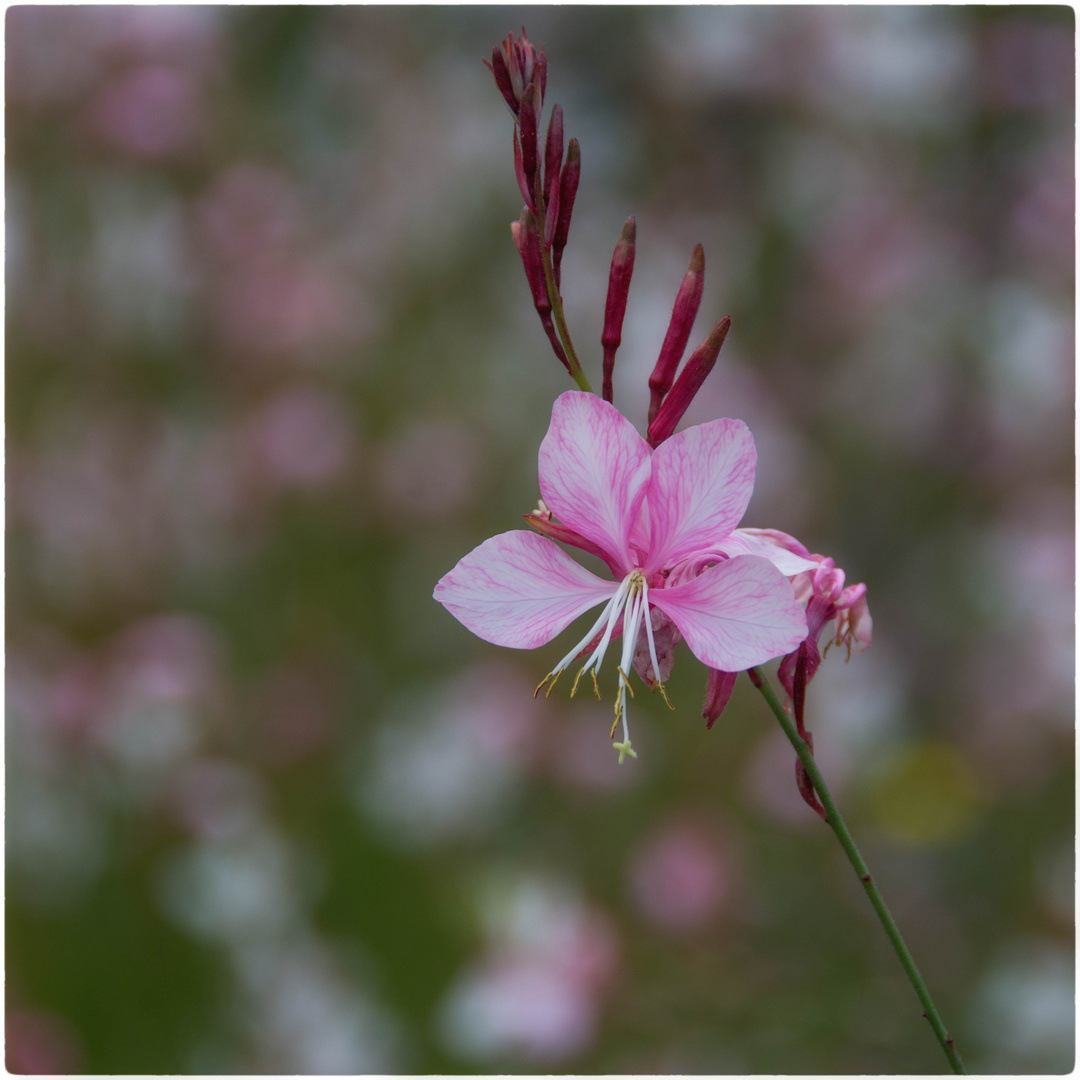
(687, 302)
(622, 268)
(721, 683)
(688, 384)
(568, 185)
(501, 73)
(528, 245)
(553, 155)
(527, 241)
(519, 172)
(541, 71)
(528, 118)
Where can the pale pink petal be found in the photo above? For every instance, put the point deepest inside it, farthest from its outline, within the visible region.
(736, 614)
(702, 480)
(783, 551)
(519, 590)
(594, 468)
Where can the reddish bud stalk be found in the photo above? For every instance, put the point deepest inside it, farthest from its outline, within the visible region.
(721, 683)
(622, 268)
(568, 185)
(555, 530)
(528, 120)
(683, 314)
(527, 241)
(688, 384)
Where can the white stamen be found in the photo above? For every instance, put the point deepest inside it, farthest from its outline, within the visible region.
(600, 651)
(630, 635)
(631, 601)
(606, 615)
(649, 633)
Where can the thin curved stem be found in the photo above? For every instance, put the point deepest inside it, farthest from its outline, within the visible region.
(836, 823)
(576, 371)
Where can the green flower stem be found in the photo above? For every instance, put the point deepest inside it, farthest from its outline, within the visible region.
(576, 371)
(836, 822)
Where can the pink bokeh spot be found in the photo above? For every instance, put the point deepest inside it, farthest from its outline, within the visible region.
(151, 113)
(678, 879)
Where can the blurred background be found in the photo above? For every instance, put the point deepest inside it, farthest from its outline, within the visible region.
(272, 369)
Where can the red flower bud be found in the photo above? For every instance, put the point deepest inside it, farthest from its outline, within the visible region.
(540, 74)
(721, 683)
(683, 314)
(688, 384)
(553, 155)
(501, 72)
(528, 244)
(519, 172)
(528, 118)
(622, 268)
(527, 240)
(568, 185)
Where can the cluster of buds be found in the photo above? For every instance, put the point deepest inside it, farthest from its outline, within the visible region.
(826, 599)
(549, 183)
(823, 594)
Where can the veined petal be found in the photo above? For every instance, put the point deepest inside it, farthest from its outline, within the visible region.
(701, 483)
(736, 614)
(783, 551)
(594, 468)
(520, 590)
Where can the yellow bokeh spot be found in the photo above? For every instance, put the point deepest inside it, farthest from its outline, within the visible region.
(927, 794)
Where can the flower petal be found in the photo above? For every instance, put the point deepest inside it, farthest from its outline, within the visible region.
(783, 551)
(519, 590)
(594, 468)
(702, 480)
(736, 614)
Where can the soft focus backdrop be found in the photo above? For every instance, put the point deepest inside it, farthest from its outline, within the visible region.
(272, 368)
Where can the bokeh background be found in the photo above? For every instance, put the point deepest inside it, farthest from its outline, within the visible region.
(272, 368)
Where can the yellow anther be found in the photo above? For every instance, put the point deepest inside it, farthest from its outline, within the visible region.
(626, 681)
(553, 676)
(577, 679)
(663, 694)
(595, 685)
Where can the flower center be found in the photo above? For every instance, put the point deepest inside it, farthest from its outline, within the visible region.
(631, 602)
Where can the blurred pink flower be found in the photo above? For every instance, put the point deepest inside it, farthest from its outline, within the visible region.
(251, 212)
(152, 112)
(538, 989)
(40, 1043)
(429, 469)
(663, 521)
(166, 658)
(679, 879)
(302, 437)
(282, 305)
(1028, 65)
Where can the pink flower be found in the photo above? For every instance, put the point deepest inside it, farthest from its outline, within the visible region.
(664, 522)
(820, 589)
